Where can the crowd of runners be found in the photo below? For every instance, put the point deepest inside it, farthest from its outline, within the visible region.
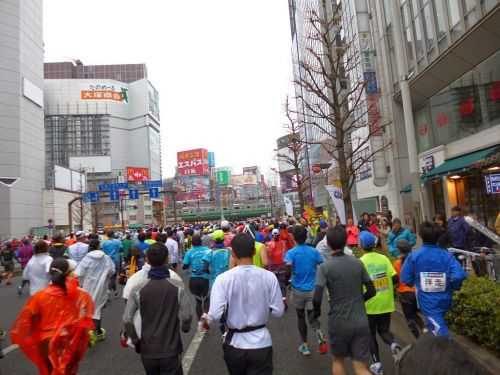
(237, 275)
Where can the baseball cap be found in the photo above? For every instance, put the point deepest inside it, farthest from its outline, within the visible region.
(323, 224)
(218, 235)
(275, 232)
(367, 240)
(225, 224)
(80, 233)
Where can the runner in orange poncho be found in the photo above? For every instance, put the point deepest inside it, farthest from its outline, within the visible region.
(53, 327)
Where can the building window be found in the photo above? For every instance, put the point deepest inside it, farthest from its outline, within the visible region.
(405, 10)
(454, 18)
(428, 26)
(470, 12)
(467, 106)
(442, 27)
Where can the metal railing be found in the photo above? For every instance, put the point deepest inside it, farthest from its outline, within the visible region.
(483, 261)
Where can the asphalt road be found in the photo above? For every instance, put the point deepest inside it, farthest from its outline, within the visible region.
(110, 358)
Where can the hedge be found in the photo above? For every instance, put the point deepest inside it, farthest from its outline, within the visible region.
(476, 312)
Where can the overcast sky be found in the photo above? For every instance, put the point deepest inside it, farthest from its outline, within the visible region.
(222, 67)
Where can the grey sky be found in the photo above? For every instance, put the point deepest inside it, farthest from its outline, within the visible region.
(222, 67)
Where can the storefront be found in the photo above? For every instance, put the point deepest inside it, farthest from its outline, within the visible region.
(471, 181)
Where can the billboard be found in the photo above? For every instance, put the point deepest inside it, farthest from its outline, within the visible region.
(137, 174)
(211, 159)
(191, 188)
(223, 177)
(193, 162)
(66, 179)
(244, 179)
(102, 91)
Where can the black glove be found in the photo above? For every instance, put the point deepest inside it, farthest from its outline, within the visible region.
(137, 345)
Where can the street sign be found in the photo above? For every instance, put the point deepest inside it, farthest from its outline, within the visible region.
(91, 196)
(153, 183)
(133, 194)
(114, 195)
(154, 192)
(111, 187)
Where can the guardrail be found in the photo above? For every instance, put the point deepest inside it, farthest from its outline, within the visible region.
(484, 262)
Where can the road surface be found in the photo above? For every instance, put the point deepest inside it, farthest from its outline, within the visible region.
(110, 358)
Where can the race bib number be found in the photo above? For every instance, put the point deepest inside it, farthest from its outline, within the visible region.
(433, 282)
(380, 281)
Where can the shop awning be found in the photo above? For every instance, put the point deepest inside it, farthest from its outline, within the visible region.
(461, 163)
(406, 189)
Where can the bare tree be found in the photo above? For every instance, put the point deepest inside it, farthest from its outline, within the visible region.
(294, 155)
(332, 97)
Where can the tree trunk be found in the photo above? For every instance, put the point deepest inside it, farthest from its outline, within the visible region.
(301, 198)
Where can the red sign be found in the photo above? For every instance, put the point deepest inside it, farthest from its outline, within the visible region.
(467, 107)
(442, 120)
(193, 162)
(135, 174)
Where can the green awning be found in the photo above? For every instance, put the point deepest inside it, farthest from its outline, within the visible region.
(406, 189)
(461, 163)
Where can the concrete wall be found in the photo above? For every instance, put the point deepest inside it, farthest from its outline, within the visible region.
(22, 149)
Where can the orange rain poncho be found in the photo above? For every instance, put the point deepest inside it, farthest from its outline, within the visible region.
(53, 327)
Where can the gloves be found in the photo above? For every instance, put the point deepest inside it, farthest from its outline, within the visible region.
(137, 345)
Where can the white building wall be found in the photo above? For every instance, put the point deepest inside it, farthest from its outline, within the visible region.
(21, 118)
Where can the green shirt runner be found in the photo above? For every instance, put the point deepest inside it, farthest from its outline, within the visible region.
(381, 271)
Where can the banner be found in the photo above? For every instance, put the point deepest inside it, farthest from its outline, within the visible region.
(288, 206)
(338, 201)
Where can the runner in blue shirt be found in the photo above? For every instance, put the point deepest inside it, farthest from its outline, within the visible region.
(218, 259)
(199, 280)
(304, 260)
(112, 247)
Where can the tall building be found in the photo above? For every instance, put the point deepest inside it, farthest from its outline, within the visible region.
(102, 119)
(22, 148)
(442, 73)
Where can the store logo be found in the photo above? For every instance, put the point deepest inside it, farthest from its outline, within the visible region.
(105, 92)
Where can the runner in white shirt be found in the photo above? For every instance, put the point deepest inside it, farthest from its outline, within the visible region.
(173, 250)
(79, 249)
(248, 295)
(38, 267)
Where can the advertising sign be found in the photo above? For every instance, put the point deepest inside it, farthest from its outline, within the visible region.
(211, 159)
(105, 92)
(338, 201)
(136, 174)
(492, 183)
(244, 179)
(223, 177)
(193, 188)
(193, 162)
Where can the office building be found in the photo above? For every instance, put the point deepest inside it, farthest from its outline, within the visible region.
(442, 62)
(101, 120)
(22, 149)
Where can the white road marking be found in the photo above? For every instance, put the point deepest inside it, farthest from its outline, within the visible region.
(188, 359)
(9, 349)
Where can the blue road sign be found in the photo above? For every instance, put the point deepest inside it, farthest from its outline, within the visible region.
(133, 194)
(91, 196)
(153, 183)
(114, 195)
(154, 192)
(111, 187)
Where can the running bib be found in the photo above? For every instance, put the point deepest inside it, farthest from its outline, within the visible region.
(433, 282)
(380, 281)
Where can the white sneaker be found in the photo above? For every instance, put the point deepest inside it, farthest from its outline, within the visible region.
(395, 348)
(376, 368)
